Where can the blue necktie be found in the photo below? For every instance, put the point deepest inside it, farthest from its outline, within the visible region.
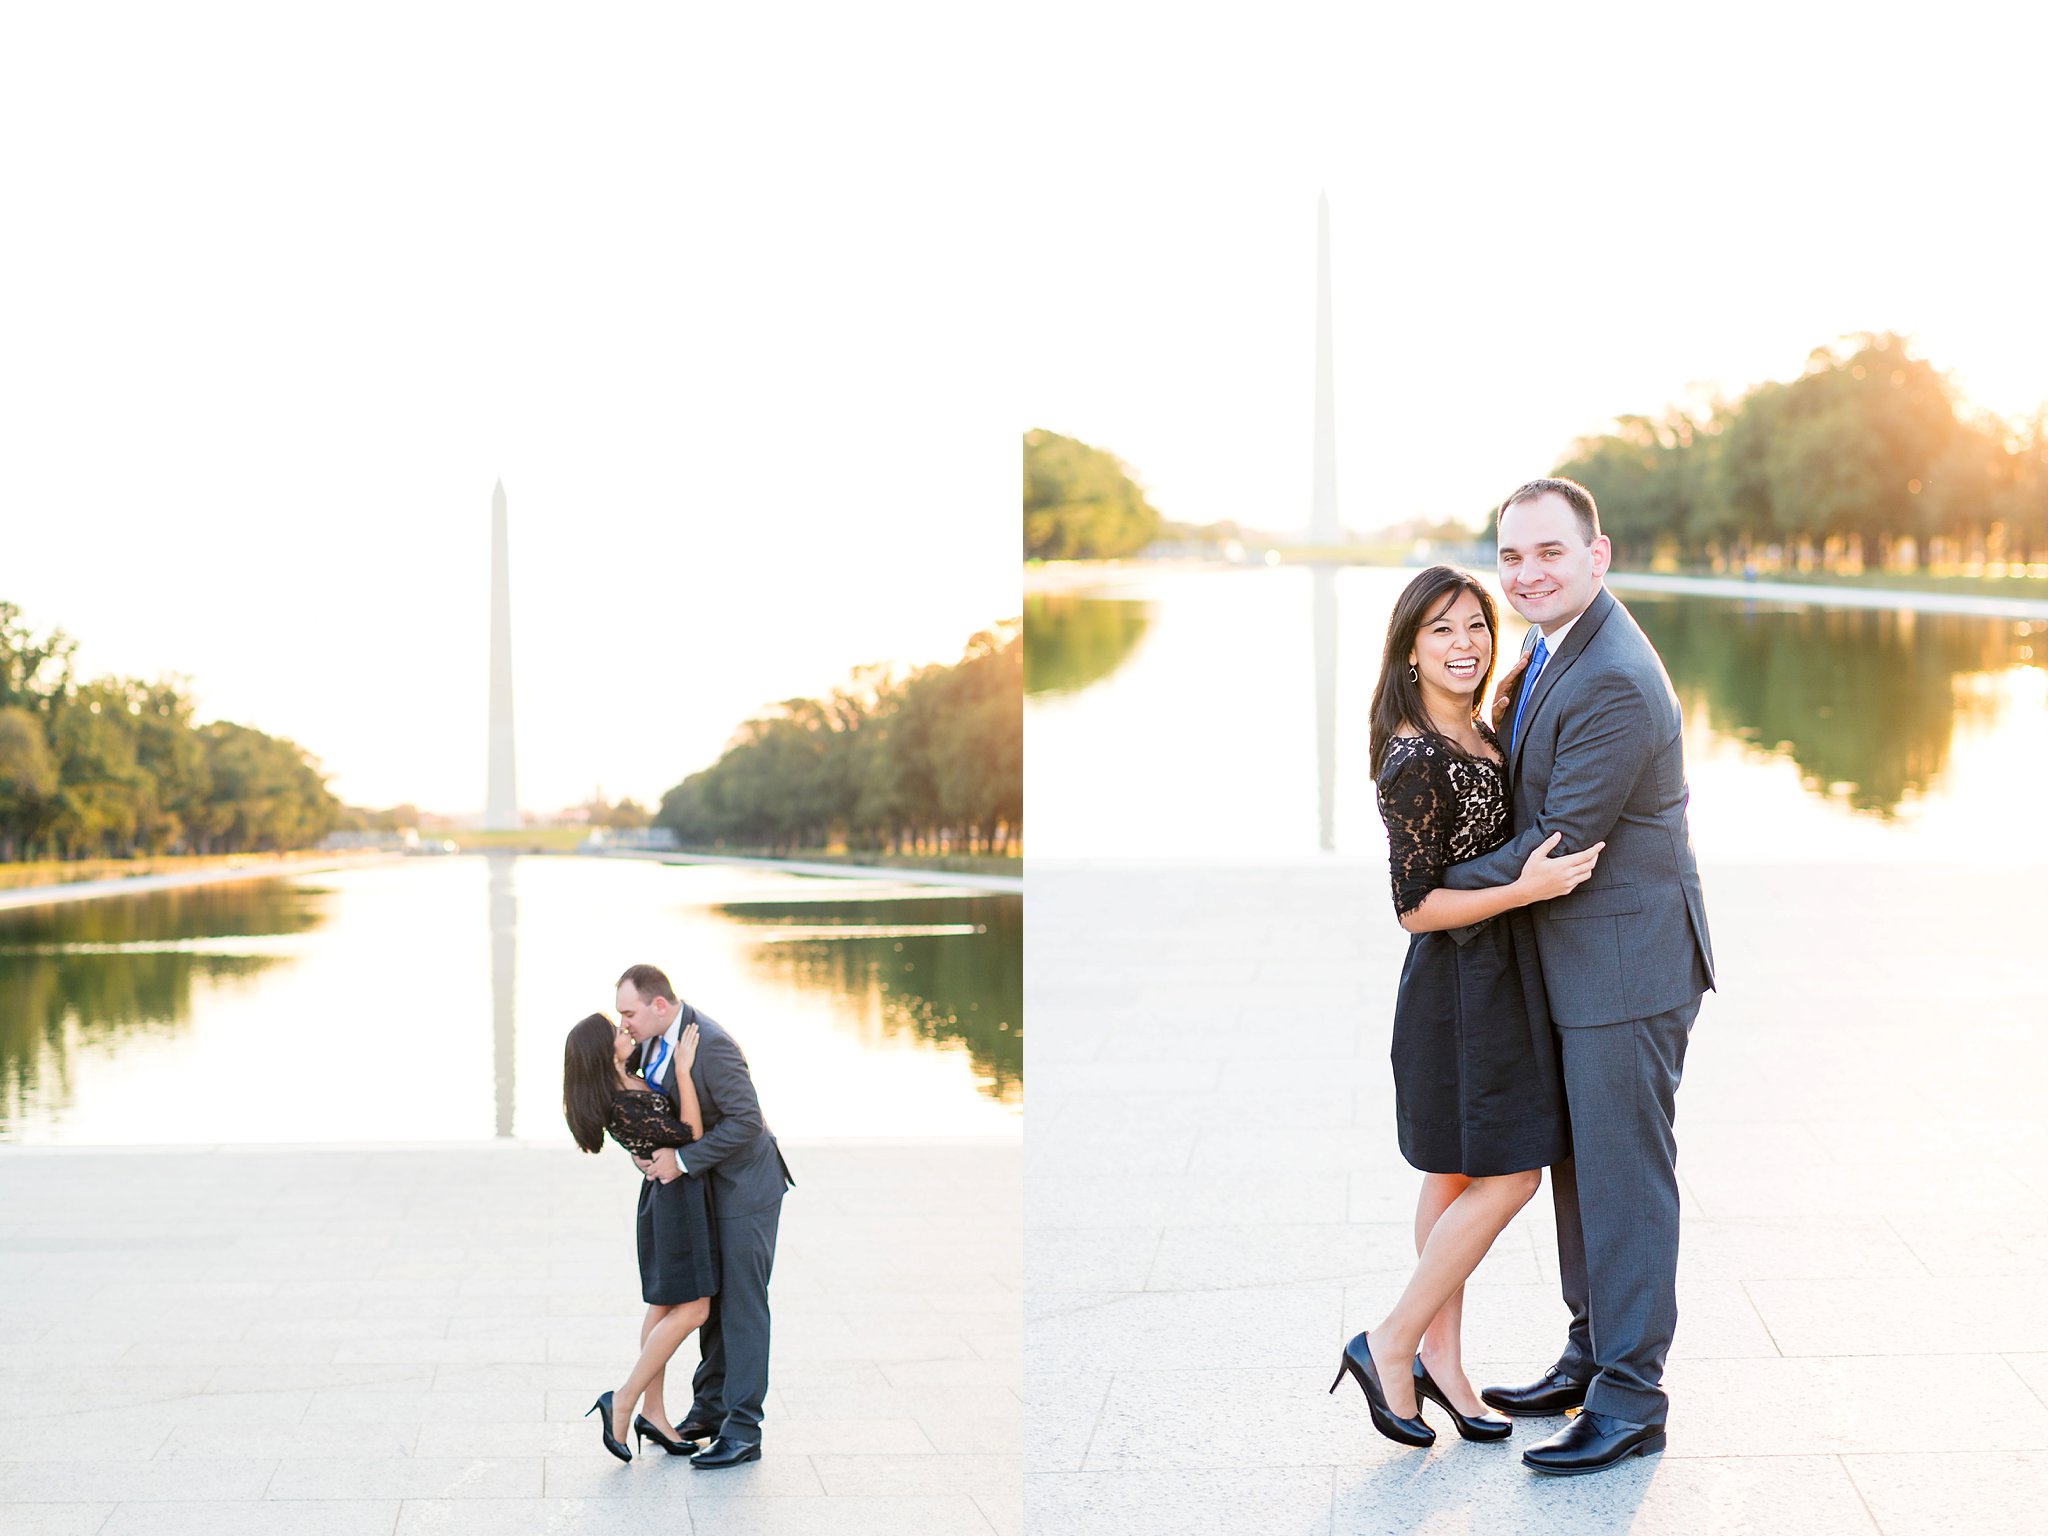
(653, 1074)
(1536, 659)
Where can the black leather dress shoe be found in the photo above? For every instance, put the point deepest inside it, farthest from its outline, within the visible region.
(696, 1429)
(1553, 1394)
(1593, 1442)
(725, 1453)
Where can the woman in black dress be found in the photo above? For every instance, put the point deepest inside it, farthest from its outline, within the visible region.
(1478, 1097)
(675, 1228)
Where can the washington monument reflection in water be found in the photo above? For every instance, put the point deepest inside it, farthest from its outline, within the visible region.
(501, 813)
(504, 975)
(1324, 532)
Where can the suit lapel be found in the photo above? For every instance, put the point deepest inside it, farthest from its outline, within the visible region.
(667, 1081)
(689, 1018)
(1555, 667)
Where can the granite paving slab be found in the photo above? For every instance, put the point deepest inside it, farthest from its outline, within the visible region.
(337, 1341)
(1861, 1153)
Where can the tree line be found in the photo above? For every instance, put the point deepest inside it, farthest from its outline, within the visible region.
(1080, 503)
(117, 767)
(1867, 458)
(929, 762)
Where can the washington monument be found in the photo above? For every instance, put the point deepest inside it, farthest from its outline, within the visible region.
(1322, 524)
(501, 788)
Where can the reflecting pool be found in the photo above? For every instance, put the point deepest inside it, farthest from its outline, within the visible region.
(1222, 713)
(426, 999)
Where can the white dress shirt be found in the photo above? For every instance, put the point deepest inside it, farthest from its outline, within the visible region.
(673, 1036)
(1553, 643)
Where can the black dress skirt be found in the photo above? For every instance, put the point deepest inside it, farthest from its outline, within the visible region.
(675, 1225)
(1477, 1084)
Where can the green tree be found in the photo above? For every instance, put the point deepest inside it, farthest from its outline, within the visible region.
(263, 794)
(34, 673)
(1649, 475)
(1081, 503)
(978, 747)
(2025, 526)
(28, 779)
(1863, 456)
(102, 789)
(115, 767)
(927, 761)
(170, 752)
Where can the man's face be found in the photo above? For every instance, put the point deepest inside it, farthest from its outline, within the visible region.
(1547, 568)
(644, 1018)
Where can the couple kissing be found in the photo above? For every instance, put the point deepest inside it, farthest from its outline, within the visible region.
(671, 1086)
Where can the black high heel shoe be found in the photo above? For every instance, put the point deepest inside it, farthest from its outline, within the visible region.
(1357, 1359)
(611, 1441)
(645, 1428)
(1481, 1426)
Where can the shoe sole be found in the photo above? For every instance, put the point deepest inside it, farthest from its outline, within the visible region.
(1647, 1448)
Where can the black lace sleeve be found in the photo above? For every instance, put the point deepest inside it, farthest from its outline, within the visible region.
(1414, 805)
(641, 1122)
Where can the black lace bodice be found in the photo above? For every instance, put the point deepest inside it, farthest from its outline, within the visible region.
(640, 1121)
(1441, 806)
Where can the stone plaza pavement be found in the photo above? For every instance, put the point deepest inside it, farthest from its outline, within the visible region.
(1214, 1202)
(275, 1342)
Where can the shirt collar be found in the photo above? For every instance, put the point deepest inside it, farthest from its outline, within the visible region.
(1554, 643)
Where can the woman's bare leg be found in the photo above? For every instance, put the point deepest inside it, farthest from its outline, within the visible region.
(675, 1324)
(1458, 1239)
(650, 1400)
(622, 1404)
(1443, 1340)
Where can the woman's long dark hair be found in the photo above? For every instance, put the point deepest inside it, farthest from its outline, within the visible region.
(590, 1077)
(1396, 699)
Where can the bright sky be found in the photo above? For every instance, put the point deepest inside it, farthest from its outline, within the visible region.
(748, 307)
(1541, 217)
(289, 289)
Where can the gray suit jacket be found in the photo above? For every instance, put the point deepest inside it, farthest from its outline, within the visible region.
(737, 1150)
(1599, 757)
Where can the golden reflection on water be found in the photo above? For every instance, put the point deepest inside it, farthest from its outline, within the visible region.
(427, 1000)
(1811, 732)
(918, 981)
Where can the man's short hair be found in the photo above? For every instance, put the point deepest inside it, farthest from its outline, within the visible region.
(1579, 498)
(650, 981)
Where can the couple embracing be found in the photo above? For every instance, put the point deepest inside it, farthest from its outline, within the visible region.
(671, 1086)
(1559, 951)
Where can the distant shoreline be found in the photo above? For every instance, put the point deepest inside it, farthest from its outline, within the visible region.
(209, 872)
(213, 873)
(1974, 604)
(1007, 885)
(1077, 575)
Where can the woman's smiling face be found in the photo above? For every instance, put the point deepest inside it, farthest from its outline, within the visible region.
(1453, 647)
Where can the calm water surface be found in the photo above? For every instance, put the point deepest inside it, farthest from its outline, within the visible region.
(427, 1000)
(1204, 713)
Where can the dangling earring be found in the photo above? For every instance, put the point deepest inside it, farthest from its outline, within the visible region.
(1411, 673)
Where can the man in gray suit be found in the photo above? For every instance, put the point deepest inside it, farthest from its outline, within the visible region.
(737, 1152)
(1594, 753)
